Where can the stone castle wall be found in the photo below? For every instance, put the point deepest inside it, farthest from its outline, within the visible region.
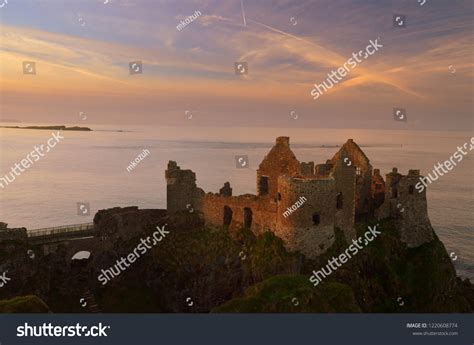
(335, 194)
(361, 163)
(126, 222)
(19, 234)
(345, 178)
(279, 161)
(298, 230)
(181, 190)
(263, 211)
(409, 207)
(377, 189)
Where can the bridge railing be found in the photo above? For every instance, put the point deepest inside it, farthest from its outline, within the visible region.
(60, 229)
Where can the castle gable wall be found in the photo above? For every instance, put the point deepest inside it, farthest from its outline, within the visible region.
(351, 154)
(279, 161)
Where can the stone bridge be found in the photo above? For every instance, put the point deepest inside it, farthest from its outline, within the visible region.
(76, 237)
(61, 233)
(110, 225)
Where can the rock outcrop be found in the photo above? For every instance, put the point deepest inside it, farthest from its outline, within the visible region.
(196, 269)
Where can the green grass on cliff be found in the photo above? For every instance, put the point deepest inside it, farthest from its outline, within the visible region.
(267, 256)
(386, 269)
(236, 271)
(428, 277)
(290, 294)
(129, 300)
(23, 304)
(200, 252)
(421, 276)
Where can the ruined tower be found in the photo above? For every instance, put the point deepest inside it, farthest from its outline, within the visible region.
(407, 206)
(181, 190)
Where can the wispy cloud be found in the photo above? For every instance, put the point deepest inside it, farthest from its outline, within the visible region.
(195, 66)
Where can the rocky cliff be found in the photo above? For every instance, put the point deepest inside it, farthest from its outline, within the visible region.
(195, 269)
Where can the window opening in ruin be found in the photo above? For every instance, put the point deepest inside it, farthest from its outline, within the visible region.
(316, 219)
(279, 196)
(227, 215)
(247, 217)
(394, 192)
(339, 201)
(411, 189)
(263, 188)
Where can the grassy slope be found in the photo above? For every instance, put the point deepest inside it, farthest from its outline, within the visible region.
(289, 294)
(23, 304)
(385, 276)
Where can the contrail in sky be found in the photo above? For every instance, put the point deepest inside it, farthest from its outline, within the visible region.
(243, 12)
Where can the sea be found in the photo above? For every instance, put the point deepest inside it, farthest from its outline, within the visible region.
(91, 168)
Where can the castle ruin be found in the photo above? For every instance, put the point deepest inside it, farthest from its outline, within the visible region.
(337, 193)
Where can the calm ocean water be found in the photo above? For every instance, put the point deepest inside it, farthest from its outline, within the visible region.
(91, 167)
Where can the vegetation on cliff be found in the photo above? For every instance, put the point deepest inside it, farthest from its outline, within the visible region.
(293, 294)
(384, 276)
(23, 304)
(197, 269)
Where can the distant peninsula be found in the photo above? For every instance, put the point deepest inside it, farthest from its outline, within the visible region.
(63, 128)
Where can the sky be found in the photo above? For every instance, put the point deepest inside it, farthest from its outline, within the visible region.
(82, 50)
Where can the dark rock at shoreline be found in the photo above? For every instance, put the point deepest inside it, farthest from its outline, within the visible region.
(61, 128)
